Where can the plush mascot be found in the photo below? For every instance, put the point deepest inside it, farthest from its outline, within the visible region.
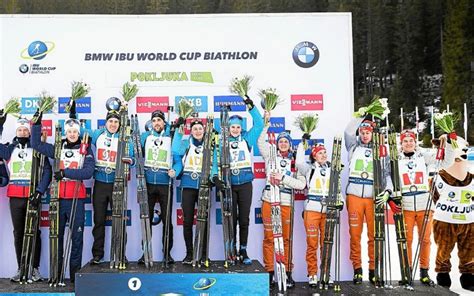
(453, 219)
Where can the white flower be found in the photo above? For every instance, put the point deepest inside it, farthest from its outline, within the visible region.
(384, 102)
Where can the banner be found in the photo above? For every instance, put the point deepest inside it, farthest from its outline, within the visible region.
(307, 57)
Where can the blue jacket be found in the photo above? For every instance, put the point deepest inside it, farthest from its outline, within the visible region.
(4, 178)
(251, 138)
(47, 149)
(179, 150)
(99, 172)
(6, 152)
(159, 177)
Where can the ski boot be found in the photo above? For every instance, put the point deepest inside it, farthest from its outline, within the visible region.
(243, 256)
(357, 279)
(372, 276)
(290, 283)
(425, 278)
(188, 260)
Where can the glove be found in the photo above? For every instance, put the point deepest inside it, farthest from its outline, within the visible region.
(3, 117)
(35, 198)
(180, 121)
(395, 208)
(340, 205)
(248, 101)
(39, 116)
(382, 198)
(59, 175)
(306, 137)
(72, 108)
(219, 184)
(127, 160)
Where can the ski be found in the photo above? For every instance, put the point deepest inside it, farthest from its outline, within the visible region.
(204, 200)
(278, 242)
(119, 197)
(54, 212)
(332, 219)
(142, 195)
(72, 215)
(33, 210)
(225, 195)
(405, 269)
(169, 199)
(379, 152)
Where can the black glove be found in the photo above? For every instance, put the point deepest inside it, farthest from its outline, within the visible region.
(59, 175)
(72, 108)
(248, 101)
(39, 116)
(180, 121)
(306, 136)
(218, 183)
(3, 117)
(35, 199)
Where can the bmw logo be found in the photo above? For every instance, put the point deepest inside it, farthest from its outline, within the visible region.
(411, 165)
(283, 163)
(113, 103)
(158, 142)
(306, 54)
(69, 154)
(368, 153)
(22, 154)
(198, 150)
(234, 145)
(108, 142)
(440, 185)
(24, 68)
(451, 194)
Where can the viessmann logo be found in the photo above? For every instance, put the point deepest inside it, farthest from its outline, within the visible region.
(259, 170)
(307, 102)
(150, 104)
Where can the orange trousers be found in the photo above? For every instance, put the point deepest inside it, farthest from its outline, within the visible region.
(358, 208)
(268, 245)
(412, 218)
(314, 223)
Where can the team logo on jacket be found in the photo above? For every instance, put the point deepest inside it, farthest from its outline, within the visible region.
(305, 54)
(368, 153)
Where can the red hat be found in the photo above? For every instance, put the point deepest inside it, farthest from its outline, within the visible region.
(407, 133)
(367, 125)
(317, 148)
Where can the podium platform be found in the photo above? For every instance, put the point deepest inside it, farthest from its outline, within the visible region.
(178, 279)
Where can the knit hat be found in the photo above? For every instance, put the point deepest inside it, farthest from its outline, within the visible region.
(407, 133)
(285, 135)
(22, 122)
(366, 125)
(317, 148)
(112, 114)
(196, 121)
(158, 113)
(235, 119)
(72, 124)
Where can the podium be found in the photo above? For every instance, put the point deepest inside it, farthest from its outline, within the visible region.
(177, 279)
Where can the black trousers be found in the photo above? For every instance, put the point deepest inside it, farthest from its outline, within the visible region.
(159, 194)
(101, 198)
(18, 213)
(189, 198)
(241, 203)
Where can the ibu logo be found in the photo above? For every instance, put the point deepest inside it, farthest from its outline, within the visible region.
(199, 102)
(37, 50)
(83, 105)
(258, 216)
(100, 123)
(236, 103)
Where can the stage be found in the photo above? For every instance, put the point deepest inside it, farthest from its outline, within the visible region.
(181, 279)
